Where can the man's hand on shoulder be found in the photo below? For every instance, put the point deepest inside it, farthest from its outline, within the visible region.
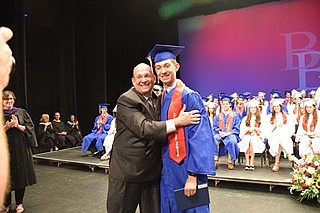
(187, 118)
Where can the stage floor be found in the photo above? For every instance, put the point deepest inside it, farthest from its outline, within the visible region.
(73, 155)
(261, 175)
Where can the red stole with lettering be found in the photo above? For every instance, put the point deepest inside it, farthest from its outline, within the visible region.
(177, 142)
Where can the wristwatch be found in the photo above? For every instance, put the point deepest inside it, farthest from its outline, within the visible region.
(192, 174)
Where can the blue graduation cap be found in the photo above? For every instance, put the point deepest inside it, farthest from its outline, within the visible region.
(215, 97)
(103, 105)
(242, 96)
(161, 52)
(226, 98)
(276, 94)
(221, 94)
(204, 98)
(246, 95)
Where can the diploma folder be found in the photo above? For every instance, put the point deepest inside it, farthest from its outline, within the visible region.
(199, 199)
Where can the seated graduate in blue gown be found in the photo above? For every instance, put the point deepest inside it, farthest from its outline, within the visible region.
(226, 129)
(94, 140)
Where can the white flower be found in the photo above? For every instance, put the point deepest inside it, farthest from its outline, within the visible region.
(311, 170)
(309, 181)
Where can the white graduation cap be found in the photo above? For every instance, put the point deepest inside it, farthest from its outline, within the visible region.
(253, 103)
(317, 95)
(211, 105)
(295, 94)
(276, 101)
(234, 95)
(309, 102)
(261, 94)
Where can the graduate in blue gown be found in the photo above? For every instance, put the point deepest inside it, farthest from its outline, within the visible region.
(94, 140)
(226, 130)
(189, 170)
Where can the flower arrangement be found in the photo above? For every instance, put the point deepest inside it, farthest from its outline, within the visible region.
(306, 177)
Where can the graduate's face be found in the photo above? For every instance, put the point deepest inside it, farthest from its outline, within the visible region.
(166, 71)
(143, 79)
(309, 109)
(253, 109)
(8, 102)
(104, 110)
(277, 108)
(225, 105)
(240, 101)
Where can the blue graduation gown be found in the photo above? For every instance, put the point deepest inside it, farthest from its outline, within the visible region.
(229, 144)
(200, 151)
(88, 139)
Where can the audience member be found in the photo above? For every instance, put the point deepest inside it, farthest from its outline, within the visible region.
(62, 133)
(75, 130)
(46, 137)
(21, 138)
(226, 129)
(94, 140)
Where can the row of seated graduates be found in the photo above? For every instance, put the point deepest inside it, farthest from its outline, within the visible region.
(295, 100)
(57, 135)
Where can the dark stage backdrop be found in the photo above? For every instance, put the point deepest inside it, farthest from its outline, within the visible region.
(259, 48)
(74, 54)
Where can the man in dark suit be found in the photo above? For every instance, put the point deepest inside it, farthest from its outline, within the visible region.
(135, 164)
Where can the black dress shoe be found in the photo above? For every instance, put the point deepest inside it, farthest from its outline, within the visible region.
(99, 154)
(94, 154)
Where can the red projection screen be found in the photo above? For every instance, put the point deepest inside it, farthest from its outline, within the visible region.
(268, 46)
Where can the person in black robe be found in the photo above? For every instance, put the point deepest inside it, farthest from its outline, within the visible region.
(21, 138)
(62, 133)
(46, 137)
(75, 129)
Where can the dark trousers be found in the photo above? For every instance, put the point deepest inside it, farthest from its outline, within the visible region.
(124, 197)
(18, 194)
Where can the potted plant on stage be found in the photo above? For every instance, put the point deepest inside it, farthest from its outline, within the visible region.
(306, 177)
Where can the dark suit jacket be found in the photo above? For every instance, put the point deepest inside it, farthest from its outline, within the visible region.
(136, 152)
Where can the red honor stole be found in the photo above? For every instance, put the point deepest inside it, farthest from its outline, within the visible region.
(104, 120)
(312, 125)
(176, 139)
(228, 123)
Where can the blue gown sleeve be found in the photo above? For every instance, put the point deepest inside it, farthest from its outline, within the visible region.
(199, 138)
